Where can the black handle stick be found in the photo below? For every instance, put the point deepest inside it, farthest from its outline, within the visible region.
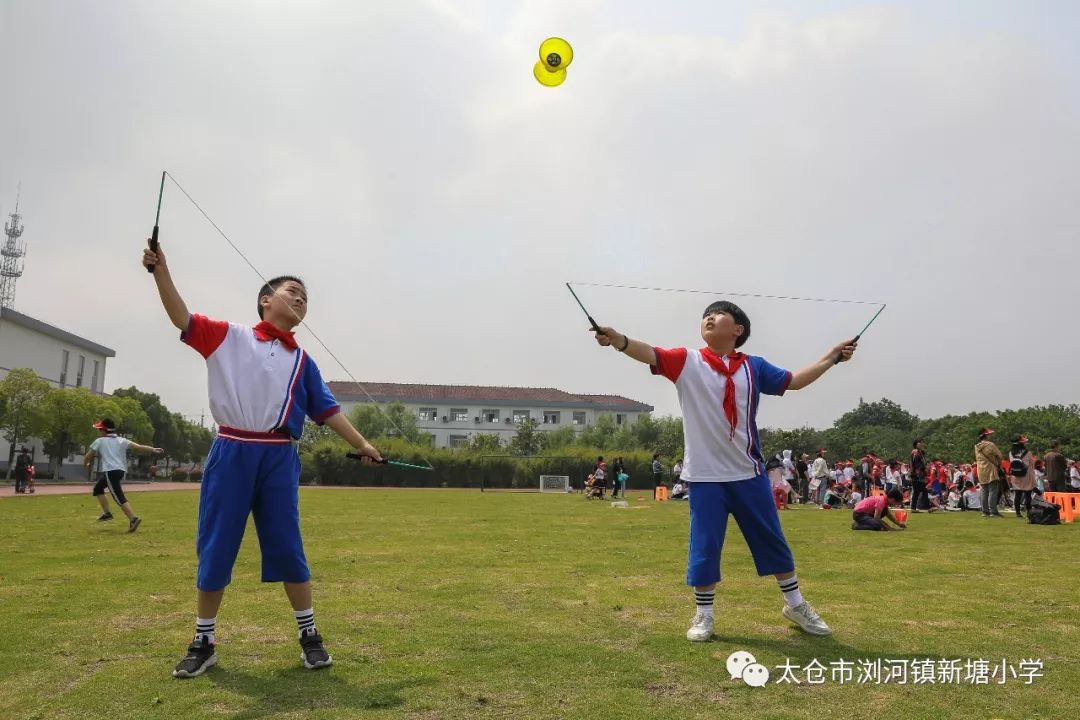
(855, 340)
(154, 235)
(595, 327)
(384, 461)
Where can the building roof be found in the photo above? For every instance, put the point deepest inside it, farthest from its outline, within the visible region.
(496, 395)
(46, 329)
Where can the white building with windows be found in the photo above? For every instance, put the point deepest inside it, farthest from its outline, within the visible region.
(60, 357)
(451, 414)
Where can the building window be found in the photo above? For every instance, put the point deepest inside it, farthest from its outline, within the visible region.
(82, 368)
(94, 381)
(552, 417)
(579, 418)
(428, 414)
(433, 438)
(620, 418)
(490, 416)
(521, 416)
(457, 441)
(64, 357)
(459, 414)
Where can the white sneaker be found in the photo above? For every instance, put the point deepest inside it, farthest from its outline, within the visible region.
(805, 617)
(701, 628)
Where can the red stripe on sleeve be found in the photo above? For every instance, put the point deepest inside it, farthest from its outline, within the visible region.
(669, 363)
(204, 334)
(327, 414)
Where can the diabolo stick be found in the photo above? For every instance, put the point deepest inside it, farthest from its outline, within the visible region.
(393, 463)
(595, 327)
(157, 217)
(854, 340)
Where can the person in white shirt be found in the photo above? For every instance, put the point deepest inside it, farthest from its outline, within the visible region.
(819, 477)
(972, 497)
(719, 390)
(112, 450)
(789, 468)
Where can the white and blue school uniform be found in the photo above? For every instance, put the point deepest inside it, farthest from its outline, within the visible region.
(723, 459)
(261, 390)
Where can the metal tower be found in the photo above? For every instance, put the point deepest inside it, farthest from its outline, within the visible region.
(11, 256)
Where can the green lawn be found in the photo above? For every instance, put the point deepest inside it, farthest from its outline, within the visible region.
(455, 604)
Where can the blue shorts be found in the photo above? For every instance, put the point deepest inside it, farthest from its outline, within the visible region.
(751, 502)
(257, 478)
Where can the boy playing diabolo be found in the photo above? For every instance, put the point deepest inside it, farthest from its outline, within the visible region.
(719, 390)
(262, 385)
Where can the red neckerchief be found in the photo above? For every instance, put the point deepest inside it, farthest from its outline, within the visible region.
(731, 410)
(267, 331)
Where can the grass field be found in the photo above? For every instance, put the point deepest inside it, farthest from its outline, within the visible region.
(453, 604)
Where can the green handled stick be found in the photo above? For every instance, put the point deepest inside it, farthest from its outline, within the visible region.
(856, 338)
(393, 463)
(154, 236)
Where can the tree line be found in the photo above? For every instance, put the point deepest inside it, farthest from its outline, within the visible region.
(63, 418)
(883, 427)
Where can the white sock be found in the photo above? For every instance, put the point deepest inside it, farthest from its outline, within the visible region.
(305, 621)
(205, 627)
(790, 588)
(704, 601)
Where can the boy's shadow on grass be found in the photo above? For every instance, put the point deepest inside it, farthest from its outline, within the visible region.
(297, 689)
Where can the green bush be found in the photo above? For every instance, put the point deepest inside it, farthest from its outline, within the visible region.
(324, 463)
(178, 475)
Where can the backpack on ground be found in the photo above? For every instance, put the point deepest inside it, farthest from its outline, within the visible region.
(1043, 512)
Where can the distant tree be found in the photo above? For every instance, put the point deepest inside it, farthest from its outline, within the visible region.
(484, 443)
(883, 413)
(68, 418)
(22, 394)
(527, 439)
(369, 420)
(600, 434)
(561, 438)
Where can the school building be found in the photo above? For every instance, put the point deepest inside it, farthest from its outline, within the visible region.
(451, 414)
(61, 358)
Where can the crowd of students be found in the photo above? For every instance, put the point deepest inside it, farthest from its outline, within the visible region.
(925, 483)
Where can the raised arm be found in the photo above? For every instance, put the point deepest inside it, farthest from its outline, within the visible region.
(810, 373)
(640, 351)
(170, 297)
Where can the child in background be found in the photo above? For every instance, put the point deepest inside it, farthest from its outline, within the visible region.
(872, 511)
(953, 501)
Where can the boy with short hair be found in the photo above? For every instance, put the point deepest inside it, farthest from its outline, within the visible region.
(719, 391)
(112, 451)
(262, 385)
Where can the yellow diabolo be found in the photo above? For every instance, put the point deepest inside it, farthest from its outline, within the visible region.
(555, 56)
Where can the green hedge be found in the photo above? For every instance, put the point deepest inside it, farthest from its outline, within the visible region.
(324, 463)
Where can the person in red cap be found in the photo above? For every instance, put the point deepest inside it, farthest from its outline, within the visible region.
(988, 458)
(112, 451)
(1021, 474)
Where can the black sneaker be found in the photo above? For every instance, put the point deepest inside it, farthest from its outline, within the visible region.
(314, 655)
(134, 524)
(105, 516)
(200, 656)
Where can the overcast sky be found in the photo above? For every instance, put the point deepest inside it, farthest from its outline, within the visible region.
(400, 158)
